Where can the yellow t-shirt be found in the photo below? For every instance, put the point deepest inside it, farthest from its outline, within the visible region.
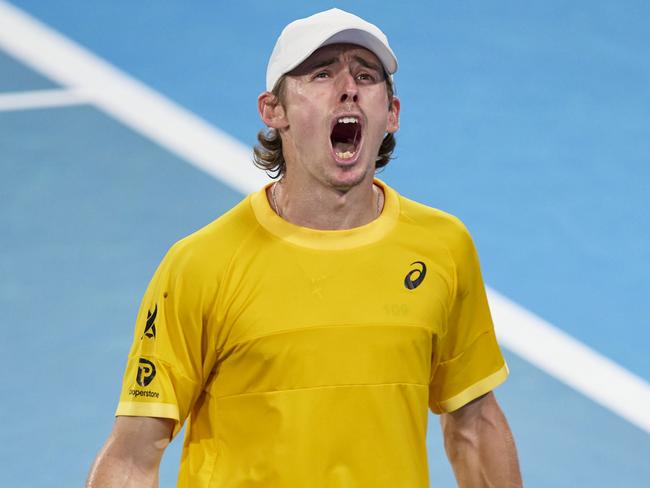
(308, 358)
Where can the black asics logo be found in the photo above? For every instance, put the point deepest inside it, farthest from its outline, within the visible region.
(415, 276)
(150, 328)
(146, 372)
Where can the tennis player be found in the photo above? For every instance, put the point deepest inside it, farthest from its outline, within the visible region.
(303, 336)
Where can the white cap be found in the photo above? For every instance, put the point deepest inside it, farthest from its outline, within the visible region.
(302, 37)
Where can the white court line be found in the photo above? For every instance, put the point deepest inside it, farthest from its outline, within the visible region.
(570, 361)
(41, 99)
(210, 149)
(128, 100)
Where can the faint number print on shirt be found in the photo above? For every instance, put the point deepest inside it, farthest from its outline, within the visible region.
(150, 328)
(396, 309)
(416, 276)
(146, 372)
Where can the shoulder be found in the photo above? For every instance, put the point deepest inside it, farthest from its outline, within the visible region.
(438, 224)
(434, 229)
(212, 247)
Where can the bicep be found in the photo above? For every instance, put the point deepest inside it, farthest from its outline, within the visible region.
(142, 436)
(132, 452)
(472, 416)
(480, 445)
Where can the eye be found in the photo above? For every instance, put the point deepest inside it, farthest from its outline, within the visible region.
(365, 77)
(321, 75)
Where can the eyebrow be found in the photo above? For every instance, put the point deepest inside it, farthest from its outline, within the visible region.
(367, 64)
(330, 61)
(321, 64)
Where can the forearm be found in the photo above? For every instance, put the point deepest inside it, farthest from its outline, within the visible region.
(481, 448)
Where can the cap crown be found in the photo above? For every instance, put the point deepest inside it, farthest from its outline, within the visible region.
(302, 37)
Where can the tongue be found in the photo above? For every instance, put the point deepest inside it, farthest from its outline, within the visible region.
(341, 147)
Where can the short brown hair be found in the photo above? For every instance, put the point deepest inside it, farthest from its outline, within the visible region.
(267, 155)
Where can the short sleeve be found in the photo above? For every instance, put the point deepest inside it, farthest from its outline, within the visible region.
(467, 360)
(172, 354)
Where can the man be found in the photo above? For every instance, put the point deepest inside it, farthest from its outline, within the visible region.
(305, 332)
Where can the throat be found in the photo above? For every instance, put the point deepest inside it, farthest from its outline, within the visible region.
(326, 210)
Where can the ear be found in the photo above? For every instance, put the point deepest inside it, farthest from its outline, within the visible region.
(271, 111)
(393, 116)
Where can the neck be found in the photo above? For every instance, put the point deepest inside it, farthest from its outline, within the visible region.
(326, 208)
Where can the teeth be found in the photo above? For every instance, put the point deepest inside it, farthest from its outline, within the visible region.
(348, 120)
(345, 155)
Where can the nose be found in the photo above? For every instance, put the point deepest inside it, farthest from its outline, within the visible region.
(349, 89)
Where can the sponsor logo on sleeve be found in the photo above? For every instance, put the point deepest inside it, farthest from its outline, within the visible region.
(134, 392)
(146, 372)
(150, 327)
(145, 375)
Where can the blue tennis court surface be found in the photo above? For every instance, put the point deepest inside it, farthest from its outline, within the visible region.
(530, 122)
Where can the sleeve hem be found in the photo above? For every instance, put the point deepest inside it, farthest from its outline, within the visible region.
(133, 409)
(479, 388)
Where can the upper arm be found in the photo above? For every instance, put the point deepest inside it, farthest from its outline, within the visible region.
(479, 417)
(174, 345)
(141, 438)
(480, 445)
(467, 362)
(483, 407)
(132, 453)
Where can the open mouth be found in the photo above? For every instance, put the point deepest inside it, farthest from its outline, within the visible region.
(346, 137)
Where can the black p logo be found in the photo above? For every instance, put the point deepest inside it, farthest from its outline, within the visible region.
(146, 372)
(415, 276)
